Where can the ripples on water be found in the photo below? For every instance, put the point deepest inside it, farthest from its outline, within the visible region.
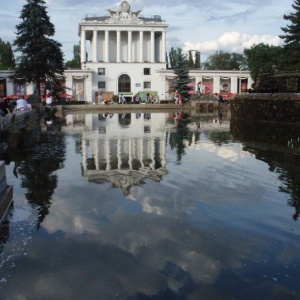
(153, 206)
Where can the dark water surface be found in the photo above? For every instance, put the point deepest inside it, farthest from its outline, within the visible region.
(153, 206)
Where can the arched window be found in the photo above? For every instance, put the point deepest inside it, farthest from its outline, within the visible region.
(124, 84)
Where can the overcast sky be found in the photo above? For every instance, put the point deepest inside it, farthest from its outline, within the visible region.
(208, 26)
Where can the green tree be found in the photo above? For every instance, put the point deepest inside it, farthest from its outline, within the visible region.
(75, 62)
(7, 58)
(173, 58)
(262, 58)
(41, 58)
(291, 37)
(182, 78)
(194, 62)
(221, 60)
(197, 60)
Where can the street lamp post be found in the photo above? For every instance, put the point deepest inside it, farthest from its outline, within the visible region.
(240, 83)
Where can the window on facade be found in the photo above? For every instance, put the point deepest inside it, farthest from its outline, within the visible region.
(124, 84)
(147, 71)
(101, 84)
(101, 71)
(147, 85)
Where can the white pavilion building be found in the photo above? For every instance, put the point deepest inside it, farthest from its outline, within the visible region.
(123, 52)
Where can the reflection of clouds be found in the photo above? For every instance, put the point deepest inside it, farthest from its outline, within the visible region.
(108, 250)
(135, 250)
(232, 152)
(151, 240)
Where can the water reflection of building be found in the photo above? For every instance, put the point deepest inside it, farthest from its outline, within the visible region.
(122, 148)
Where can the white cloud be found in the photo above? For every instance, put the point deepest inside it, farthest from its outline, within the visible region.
(232, 42)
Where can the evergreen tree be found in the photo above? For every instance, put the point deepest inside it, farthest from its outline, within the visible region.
(291, 36)
(7, 58)
(41, 58)
(182, 78)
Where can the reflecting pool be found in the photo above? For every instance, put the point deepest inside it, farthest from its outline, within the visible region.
(173, 205)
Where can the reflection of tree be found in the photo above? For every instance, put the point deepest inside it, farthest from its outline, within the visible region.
(182, 133)
(291, 186)
(39, 182)
(278, 146)
(219, 137)
(4, 234)
(283, 164)
(36, 165)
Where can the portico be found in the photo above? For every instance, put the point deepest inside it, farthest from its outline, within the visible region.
(123, 46)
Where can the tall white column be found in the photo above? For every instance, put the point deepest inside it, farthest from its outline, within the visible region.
(141, 46)
(152, 48)
(216, 84)
(119, 154)
(83, 46)
(107, 146)
(141, 151)
(234, 85)
(96, 145)
(163, 47)
(106, 57)
(130, 153)
(129, 59)
(152, 153)
(118, 46)
(95, 41)
(84, 153)
(163, 152)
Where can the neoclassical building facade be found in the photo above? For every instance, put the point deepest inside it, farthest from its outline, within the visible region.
(123, 52)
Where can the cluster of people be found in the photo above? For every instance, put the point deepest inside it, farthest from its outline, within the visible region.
(22, 104)
(17, 104)
(101, 101)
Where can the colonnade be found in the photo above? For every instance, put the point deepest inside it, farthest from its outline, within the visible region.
(124, 45)
(116, 153)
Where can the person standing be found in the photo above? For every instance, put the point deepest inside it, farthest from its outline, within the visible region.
(148, 98)
(137, 98)
(176, 95)
(49, 100)
(123, 99)
(200, 88)
(99, 98)
(22, 104)
(180, 100)
(219, 97)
